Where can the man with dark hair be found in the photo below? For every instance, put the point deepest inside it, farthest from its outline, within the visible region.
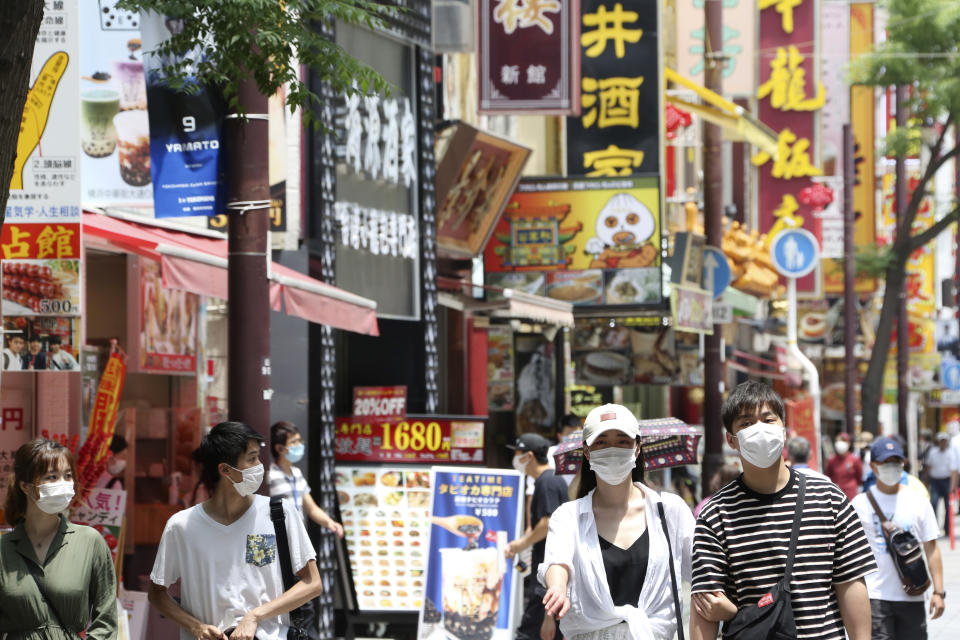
(798, 450)
(60, 359)
(224, 552)
(743, 534)
(34, 359)
(13, 354)
(549, 492)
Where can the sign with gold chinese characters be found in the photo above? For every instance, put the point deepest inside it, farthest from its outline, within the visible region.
(413, 440)
(618, 131)
(788, 96)
(41, 268)
(528, 63)
(588, 242)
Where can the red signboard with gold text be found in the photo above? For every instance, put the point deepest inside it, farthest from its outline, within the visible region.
(40, 240)
(414, 440)
(788, 97)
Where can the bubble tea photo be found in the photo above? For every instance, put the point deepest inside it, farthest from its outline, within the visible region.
(98, 135)
(133, 140)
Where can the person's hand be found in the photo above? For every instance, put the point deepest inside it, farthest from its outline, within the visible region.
(513, 548)
(548, 630)
(556, 603)
(207, 632)
(936, 606)
(36, 111)
(713, 606)
(335, 527)
(246, 629)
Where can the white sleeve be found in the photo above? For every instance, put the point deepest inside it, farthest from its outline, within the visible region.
(166, 566)
(301, 549)
(685, 525)
(927, 526)
(561, 541)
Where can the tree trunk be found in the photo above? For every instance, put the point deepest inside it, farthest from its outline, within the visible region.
(19, 24)
(872, 387)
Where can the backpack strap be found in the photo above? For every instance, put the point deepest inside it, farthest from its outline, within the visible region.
(795, 534)
(283, 544)
(673, 572)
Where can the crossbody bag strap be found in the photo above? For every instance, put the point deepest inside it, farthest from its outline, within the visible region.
(795, 533)
(673, 572)
(283, 544)
(876, 507)
(43, 594)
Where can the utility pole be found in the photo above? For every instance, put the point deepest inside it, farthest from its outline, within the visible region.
(903, 342)
(713, 225)
(849, 283)
(248, 202)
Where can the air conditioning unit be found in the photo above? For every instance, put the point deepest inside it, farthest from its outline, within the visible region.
(453, 26)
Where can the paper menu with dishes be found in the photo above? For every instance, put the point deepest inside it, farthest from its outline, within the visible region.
(622, 354)
(385, 518)
(471, 587)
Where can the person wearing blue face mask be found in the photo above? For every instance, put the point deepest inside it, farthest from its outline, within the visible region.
(287, 481)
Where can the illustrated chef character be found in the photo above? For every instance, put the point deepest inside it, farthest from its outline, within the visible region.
(624, 226)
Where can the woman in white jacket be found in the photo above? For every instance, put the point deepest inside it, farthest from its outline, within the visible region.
(606, 564)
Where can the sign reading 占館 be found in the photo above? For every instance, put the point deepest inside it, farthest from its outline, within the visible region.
(528, 60)
(789, 96)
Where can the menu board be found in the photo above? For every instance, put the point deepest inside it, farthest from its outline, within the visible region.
(414, 440)
(623, 354)
(386, 522)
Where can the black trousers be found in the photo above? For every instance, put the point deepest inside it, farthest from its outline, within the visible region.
(892, 620)
(533, 612)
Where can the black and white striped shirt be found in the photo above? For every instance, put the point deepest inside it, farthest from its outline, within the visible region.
(741, 542)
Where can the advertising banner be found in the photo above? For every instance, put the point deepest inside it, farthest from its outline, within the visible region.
(588, 242)
(618, 355)
(414, 440)
(180, 144)
(47, 287)
(103, 509)
(104, 415)
(619, 130)
(113, 102)
(46, 173)
(528, 63)
(500, 371)
(471, 587)
(739, 44)
(168, 324)
(788, 98)
(800, 422)
(380, 403)
(692, 309)
(386, 523)
(35, 343)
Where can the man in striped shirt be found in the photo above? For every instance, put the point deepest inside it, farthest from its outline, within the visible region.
(743, 534)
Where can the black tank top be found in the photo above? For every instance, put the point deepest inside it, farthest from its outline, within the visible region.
(626, 569)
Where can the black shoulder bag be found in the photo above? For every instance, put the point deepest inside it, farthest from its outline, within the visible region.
(673, 572)
(771, 618)
(299, 617)
(906, 551)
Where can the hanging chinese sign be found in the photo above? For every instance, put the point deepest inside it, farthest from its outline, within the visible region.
(587, 242)
(618, 131)
(789, 96)
(739, 38)
(527, 61)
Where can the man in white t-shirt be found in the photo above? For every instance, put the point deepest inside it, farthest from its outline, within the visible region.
(942, 466)
(895, 614)
(224, 551)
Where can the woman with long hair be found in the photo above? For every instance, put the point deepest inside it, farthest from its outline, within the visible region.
(607, 564)
(56, 578)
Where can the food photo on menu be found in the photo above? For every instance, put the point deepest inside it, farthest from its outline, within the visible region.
(606, 355)
(385, 515)
(32, 287)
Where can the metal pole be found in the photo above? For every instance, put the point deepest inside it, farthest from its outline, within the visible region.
(903, 342)
(248, 199)
(849, 282)
(713, 225)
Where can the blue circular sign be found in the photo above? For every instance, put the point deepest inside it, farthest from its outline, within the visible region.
(716, 271)
(795, 252)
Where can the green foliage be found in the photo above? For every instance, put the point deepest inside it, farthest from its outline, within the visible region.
(872, 261)
(266, 41)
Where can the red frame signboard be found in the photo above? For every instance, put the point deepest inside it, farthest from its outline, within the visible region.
(413, 440)
(380, 403)
(527, 61)
(788, 97)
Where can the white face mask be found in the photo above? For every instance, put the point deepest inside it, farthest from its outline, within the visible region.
(252, 479)
(613, 464)
(54, 496)
(115, 467)
(841, 447)
(518, 466)
(889, 473)
(761, 444)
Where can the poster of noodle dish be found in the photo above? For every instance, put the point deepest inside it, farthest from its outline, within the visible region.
(590, 242)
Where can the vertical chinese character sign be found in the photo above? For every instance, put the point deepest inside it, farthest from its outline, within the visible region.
(618, 131)
(527, 56)
(788, 97)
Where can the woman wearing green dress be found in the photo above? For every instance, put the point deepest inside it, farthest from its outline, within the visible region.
(56, 578)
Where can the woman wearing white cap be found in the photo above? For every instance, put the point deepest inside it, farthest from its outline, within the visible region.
(607, 566)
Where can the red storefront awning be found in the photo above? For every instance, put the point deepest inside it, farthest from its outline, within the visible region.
(198, 264)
